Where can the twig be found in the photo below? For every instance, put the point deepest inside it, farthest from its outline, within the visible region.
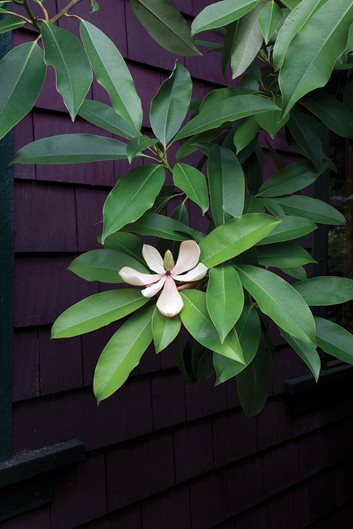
(64, 11)
(31, 14)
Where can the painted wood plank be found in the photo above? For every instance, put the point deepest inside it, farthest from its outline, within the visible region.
(45, 218)
(60, 363)
(170, 510)
(45, 288)
(208, 497)
(193, 450)
(144, 467)
(26, 384)
(23, 134)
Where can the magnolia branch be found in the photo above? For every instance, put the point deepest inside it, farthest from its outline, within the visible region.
(64, 11)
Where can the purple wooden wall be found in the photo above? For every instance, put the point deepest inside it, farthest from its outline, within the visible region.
(159, 454)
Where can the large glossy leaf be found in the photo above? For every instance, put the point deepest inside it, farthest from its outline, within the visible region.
(126, 243)
(248, 328)
(291, 227)
(334, 340)
(104, 265)
(231, 109)
(280, 301)
(283, 255)
(224, 298)
(97, 311)
(304, 129)
(139, 144)
(319, 44)
(245, 133)
(10, 23)
(247, 41)
(331, 112)
(235, 237)
(292, 25)
(112, 73)
(311, 208)
(193, 183)
(325, 290)
(253, 383)
(166, 25)
(106, 118)
(131, 197)
(307, 353)
(22, 73)
(171, 103)
(196, 320)
(272, 121)
(226, 183)
(164, 227)
(71, 148)
(65, 53)
(221, 14)
(269, 19)
(289, 180)
(164, 330)
(122, 354)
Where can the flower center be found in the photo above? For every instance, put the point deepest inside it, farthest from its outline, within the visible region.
(168, 262)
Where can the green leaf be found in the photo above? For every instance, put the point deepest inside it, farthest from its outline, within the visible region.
(227, 184)
(291, 227)
(221, 94)
(164, 227)
(307, 353)
(248, 328)
(311, 208)
(71, 148)
(94, 6)
(65, 53)
(122, 354)
(104, 265)
(131, 197)
(10, 23)
(304, 129)
(334, 340)
(166, 25)
(247, 41)
(231, 109)
(139, 144)
(22, 73)
(253, 383)
(193, 183)
(126, 243)
(106, 118)
(196, 320)
(289, 180)
(164, 330)
(269, 18)
(292, 25)
(112, 73)
(325, 290)
(221, 14)
(224, 298)
(319, 44)
(331, 112)
(298, 272)
(235, 237)
(97, 311)
(171, 104)
(245, 133)
(280, 301)
(272, 121)
(283, 255)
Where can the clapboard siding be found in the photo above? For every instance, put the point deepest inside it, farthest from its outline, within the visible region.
(160, 454)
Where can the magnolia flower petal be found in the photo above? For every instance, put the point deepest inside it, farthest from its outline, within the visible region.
(153, 258)
(152, 290)
(194, 275)
(189, 255)
(133, 277)
(170, 301)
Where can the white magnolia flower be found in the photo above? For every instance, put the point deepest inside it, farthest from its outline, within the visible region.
(170, 301)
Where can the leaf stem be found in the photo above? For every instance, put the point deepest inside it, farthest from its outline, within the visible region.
(31, 14)
(64, 11)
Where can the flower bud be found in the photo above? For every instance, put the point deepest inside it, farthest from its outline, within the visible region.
(168, 261)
